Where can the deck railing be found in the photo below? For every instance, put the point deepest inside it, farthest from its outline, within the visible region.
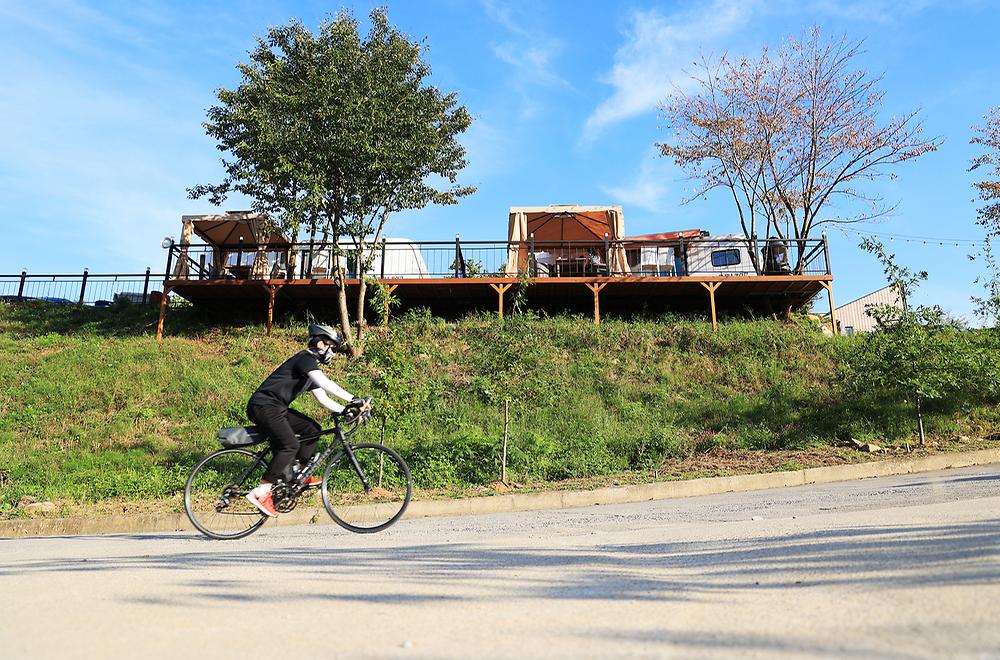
(84, 288)
(535, 258)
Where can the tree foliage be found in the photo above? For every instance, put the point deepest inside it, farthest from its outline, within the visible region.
(917, 353)
(987, 136)
(334, 131)
(789, 134)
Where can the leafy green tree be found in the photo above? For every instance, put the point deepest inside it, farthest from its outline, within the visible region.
(334, 131)
(915, 353)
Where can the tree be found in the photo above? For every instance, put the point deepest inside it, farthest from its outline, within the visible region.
(987, 136)
(336, 132)
(788, 135)
(916, 352)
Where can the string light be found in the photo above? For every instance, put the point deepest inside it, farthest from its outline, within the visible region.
(910, 238)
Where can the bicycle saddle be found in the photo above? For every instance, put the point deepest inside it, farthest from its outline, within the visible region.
(240, 436)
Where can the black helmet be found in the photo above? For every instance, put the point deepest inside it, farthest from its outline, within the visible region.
(326, 333)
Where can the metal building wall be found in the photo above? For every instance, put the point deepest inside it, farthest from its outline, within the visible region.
(853, 315)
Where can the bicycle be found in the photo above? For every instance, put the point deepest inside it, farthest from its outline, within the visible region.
(366, 487)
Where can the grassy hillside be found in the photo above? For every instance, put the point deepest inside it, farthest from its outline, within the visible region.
(93, 408)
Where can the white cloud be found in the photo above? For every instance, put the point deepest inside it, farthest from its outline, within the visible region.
(648, 188)
(657, 52)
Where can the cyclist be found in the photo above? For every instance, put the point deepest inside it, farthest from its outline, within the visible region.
(268, 409)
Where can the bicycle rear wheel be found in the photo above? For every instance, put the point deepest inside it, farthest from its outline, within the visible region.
(370, 496)
(215, 495)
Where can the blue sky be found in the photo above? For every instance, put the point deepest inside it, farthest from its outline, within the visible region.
(102, 105)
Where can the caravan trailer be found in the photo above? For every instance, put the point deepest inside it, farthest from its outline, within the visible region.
(726, 254)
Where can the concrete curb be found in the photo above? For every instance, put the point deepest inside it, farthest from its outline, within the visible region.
(529, 501)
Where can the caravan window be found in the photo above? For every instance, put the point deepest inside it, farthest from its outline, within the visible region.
(722, 258)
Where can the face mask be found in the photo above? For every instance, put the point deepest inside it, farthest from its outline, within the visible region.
(325, 355)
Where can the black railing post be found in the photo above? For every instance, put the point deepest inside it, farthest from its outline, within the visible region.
(382, 271)
(458, 256)
(201, 266)
(607, 253)
(170, 260)
(531, 251)
(83, 284)
(239, 255)
(680, 261)
(826, 254)
(145, 287)
(20, 288)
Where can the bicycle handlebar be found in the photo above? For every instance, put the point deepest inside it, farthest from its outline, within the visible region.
(352, 410)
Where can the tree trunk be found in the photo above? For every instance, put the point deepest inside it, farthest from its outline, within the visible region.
(360, 318)
(345, 319)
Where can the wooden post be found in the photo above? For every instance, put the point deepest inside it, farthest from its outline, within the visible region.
(271, 290)
(596, 288)
(388, 292)
(833, 310)
(500, 289)
(506, 430)
(712, 286)
(163, 313)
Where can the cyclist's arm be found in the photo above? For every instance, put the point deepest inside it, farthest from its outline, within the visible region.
(323, 383)
(327, 402)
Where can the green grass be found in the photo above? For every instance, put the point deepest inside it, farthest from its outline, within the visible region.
(93, 408)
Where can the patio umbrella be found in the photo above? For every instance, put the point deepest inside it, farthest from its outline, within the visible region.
(567, 226)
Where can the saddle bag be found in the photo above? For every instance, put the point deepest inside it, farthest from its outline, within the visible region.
(240, 436)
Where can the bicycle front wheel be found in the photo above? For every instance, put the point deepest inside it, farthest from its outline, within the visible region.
(370, 493)
(215, 495)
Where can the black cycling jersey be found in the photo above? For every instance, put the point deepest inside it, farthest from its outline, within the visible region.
(287, 382)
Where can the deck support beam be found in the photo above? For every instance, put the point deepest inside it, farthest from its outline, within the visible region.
(833, 310)
(712, 286)
(500, 289)
(163, 313)
(596, 288)
(389, 288)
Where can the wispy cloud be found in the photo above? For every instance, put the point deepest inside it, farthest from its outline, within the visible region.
(530, 52)
(111, 141)
(647, 188)
(657, 51)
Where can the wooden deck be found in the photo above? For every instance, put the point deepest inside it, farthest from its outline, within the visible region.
(451, 296)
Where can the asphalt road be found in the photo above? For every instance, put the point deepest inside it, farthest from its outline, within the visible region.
(900, 567)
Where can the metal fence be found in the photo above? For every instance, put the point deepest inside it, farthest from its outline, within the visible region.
(536, 258)
(86, 288)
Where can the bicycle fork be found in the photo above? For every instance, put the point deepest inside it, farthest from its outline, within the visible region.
(357, 467)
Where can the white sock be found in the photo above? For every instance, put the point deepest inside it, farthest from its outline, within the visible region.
(261, 490)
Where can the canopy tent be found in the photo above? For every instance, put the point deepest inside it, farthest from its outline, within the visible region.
(553, 228)
(229, 233)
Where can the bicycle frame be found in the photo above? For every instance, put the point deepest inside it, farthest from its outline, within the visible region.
(340, 440)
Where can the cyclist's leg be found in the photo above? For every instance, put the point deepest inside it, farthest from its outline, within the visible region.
(273, 420)
(304, 425)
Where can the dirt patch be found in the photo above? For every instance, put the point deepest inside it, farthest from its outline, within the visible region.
(723, 462)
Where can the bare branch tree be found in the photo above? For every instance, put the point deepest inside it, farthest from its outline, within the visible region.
(790, 136)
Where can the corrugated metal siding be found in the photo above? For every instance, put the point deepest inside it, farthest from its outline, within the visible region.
(853, 315)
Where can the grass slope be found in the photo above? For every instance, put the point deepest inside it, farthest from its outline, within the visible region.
(94, 409)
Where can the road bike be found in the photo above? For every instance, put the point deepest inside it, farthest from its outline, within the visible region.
(366, 487)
